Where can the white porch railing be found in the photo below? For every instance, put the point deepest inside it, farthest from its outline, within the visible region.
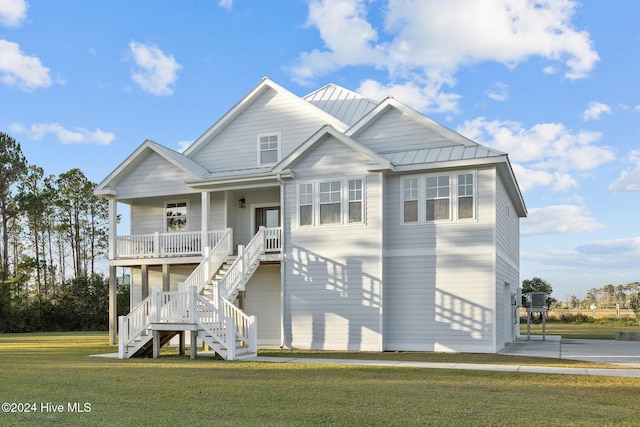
(211, 262)
(247, 261)
(165, 244)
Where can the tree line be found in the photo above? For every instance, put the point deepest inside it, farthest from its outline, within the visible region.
(53, 229)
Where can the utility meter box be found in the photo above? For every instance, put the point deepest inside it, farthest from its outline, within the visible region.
(537, 299)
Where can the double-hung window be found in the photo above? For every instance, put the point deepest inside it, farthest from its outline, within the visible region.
(438, 198)
(268, 149)
(305, 203)
(355, 200)
(410, 205)
(330, 202)
(176, 218)
(465, 196)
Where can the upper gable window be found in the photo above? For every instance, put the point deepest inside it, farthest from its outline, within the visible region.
(268, 149)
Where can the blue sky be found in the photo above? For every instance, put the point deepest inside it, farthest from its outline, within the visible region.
(553, 82)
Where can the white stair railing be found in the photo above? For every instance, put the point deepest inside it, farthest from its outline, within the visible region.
(248, 257)
(211, 263)
(133, 325)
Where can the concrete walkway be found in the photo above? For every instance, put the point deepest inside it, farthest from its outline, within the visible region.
(623, 353)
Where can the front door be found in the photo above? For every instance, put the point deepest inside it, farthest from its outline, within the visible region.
(267, 217)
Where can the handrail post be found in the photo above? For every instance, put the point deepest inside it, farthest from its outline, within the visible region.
(156, 243)
(263, 238)
(193, 294)
(253, 334)
(154, 309)
(231, 336)
(122, 336)
(241, 259)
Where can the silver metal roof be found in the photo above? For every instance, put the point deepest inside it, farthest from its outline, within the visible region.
(341, 103)
(440, 154)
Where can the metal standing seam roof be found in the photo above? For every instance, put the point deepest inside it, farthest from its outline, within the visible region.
(440, 154)
(341, 103)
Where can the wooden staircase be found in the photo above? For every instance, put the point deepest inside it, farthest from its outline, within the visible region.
(203, 305)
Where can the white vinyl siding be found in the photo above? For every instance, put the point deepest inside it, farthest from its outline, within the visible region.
(332, 274)
(234, 147)
(394, 131)
(263, 301)
(153, 176)
(440, 277)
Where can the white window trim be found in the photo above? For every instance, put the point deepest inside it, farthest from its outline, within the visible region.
(164, 213)
(259, 150)
(453, 197)
(344, 202)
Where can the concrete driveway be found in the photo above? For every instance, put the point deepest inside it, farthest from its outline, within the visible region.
(625, 353)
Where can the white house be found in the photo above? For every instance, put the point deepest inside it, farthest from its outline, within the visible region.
(323, 222)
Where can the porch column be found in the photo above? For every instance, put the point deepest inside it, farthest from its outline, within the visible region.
(206, 204)
(166, 277)
(113, 305)
(144, 272)
(113, 227)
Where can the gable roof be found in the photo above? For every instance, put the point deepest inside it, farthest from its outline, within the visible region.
(185, 164)
(391, 103)
(264, 85)
(378, 162)
(343, 104)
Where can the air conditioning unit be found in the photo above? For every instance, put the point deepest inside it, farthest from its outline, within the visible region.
(537, 299)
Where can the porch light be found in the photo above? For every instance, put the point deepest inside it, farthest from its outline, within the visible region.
(241, 202)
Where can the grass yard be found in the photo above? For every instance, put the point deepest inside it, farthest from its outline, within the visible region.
(55, 368)
(580, 330)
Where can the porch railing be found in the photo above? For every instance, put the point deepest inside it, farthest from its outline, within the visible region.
(165, 244)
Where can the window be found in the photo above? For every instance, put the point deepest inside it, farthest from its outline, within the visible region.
(330, 202)
(465, 196)
(411, 200)
(268, 149)
(305, 201)
(437, 198)
(176, 216)
(355, 200)
(339, 201)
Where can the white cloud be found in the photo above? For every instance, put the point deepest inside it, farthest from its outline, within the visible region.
(13, 12)
(629, 179)
(429, 40)
(616, 247)
(499, 92)
(155, 72)
(226, 4)
(540, 149)
(558, 219)
(422, 96)
(595, 110)
(20, 70)
(39, 131)
(183, 145)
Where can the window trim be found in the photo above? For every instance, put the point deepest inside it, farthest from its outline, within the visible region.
(260, 150)
(453, 198)
(344, 202)
(166, 206)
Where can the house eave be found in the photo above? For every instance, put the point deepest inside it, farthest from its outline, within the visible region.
(241, 181)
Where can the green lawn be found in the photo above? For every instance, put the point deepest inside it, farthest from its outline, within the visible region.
(55, 368)
(580, 331)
